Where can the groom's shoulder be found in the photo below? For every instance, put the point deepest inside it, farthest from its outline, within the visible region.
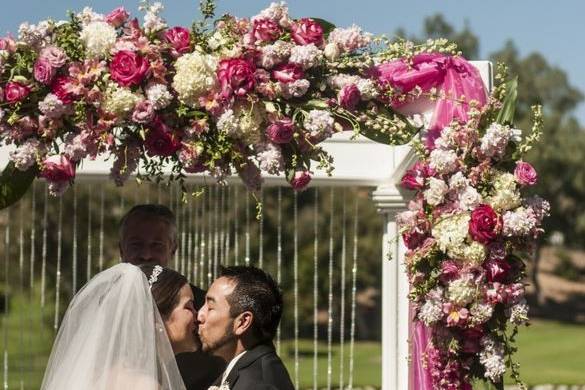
(266, 369)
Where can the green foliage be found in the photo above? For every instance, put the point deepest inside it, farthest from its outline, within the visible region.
(14, 183)
(67, 38)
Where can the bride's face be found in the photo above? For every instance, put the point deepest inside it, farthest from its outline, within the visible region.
(181, 324)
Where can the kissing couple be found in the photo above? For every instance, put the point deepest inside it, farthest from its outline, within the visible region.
(141, 325)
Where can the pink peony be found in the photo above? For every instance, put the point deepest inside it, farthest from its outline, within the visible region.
(485, 224)
(525, 174)
(449, 271)
(349, 97)
(57, 169)
(281, 131)
(160, 140)
(43, 71)
(54, 55)
(128, 68)
(236, 77)
(61, 87)
(179, 38)
(143, 112)
(117, 17)
(306, 31)
(287, 73)
(15, 92)
(300, 180)
(265, 30)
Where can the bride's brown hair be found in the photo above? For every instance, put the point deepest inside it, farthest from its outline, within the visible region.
(165, 289)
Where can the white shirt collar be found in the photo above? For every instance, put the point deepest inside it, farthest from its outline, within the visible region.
(230, 366)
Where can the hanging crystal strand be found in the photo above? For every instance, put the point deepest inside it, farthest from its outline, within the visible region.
(342, 298)
(59, 254)
(181, 208)
(236, 226)
(223, 221)
(21, 289)
(89, 237)
(196, 240)
(74, 257)
(6, 293)
(33, 229)
(261, 231)
(296, 283)
(189, 254)
(279, 256)
(330, 294)
(210, 237)
(202, 239)
(353, 294)
(247, 234)
(227, 234)
(177, 211)
(44, 250)
(101, 248)
(315, 287)
(216, 230)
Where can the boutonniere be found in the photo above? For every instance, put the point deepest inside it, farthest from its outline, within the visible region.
(225, 386)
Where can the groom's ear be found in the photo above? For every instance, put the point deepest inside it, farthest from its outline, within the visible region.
(243, 322)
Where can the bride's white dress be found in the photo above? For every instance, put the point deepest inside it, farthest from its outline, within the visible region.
(113, 338)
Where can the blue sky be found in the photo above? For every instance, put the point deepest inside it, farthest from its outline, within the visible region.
(555, 29)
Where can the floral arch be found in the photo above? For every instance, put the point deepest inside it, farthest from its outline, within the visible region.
(259, 97)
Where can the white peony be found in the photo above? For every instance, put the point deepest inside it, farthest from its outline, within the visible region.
(158, 95)
(195, 77)
(436, 191)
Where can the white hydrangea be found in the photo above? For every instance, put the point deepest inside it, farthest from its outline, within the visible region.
(339, 81)
(25, 156)
(277, 12)
(349, 39)
(462, 291)
(435, 193)
(492, 358)
(504, 181)
(227, 122)
(458, 182)
(272, 55)
(52, 107)
(243, 122)
(319, 122)
(33, 35)
(451, 232)
(505, 200)
(120, 101)
(519, 222)
(443, 161)
(495, 140)
(475, 253)
(469, 198)
(519, 313)
(87, 16)
(270, 159)
(480, 313)
(195, 76)
(295, 89)
(368, 88)
(307, 56)
(158, 95)
(430, 312)
(99, 38)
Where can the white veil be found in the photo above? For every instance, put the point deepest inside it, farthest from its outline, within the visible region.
(113, 338)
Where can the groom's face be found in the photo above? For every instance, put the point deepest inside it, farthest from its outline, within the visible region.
(147, 240)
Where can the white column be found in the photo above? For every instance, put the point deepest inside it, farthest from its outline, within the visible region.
(395, 314)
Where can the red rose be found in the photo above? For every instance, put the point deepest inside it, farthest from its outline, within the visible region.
(281, 131)
(414, 178)
(349, 97)
(300, 180)
(497, 270)
(58, 169)
(160, 140)
(179, 38)
(525, 174)
(62, 88)
(117, 17)
(287, 73)
(43, 71)
(266, 30)
(413, 238)
(236, 77)
(128, 68)
(306, 31)
(15, 92)
(485, 224)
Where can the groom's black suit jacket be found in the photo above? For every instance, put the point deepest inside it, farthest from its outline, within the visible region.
(259, 369)
(198, 369)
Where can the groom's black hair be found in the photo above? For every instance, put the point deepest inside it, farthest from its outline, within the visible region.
(257, 292)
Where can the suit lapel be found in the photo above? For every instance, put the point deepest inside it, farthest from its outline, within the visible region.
(249, 357)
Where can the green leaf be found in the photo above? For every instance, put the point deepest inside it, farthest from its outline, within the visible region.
(327, 26)
(14, 183)
(506, 115)
(316, 103)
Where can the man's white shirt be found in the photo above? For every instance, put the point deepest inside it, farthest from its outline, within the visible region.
(230, 367)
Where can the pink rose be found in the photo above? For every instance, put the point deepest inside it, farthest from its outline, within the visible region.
(179, 38)
(449, 271)
(497, 270)
(306, 31)
(62, 88)
(58, 168)
(128, 68)
(117, 17)
(281, 131)
(414, 178)
(15, 92)
(43, 71)
(236, 77)
(143, 112)
(300, 180)
(8, 44)
(265, 30)
(485, 224)
(287, 73)
(349, 97)
(160, 140)
(54, 55)
(525, 174)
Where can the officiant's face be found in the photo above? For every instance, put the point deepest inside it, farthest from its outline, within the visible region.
(147, 240)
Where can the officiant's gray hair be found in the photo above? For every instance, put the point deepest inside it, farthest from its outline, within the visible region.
(150, 211)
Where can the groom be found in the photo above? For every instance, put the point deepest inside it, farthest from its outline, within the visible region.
(238, 323)
(148, 235)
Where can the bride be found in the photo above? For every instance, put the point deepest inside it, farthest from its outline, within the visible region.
(122, 330)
